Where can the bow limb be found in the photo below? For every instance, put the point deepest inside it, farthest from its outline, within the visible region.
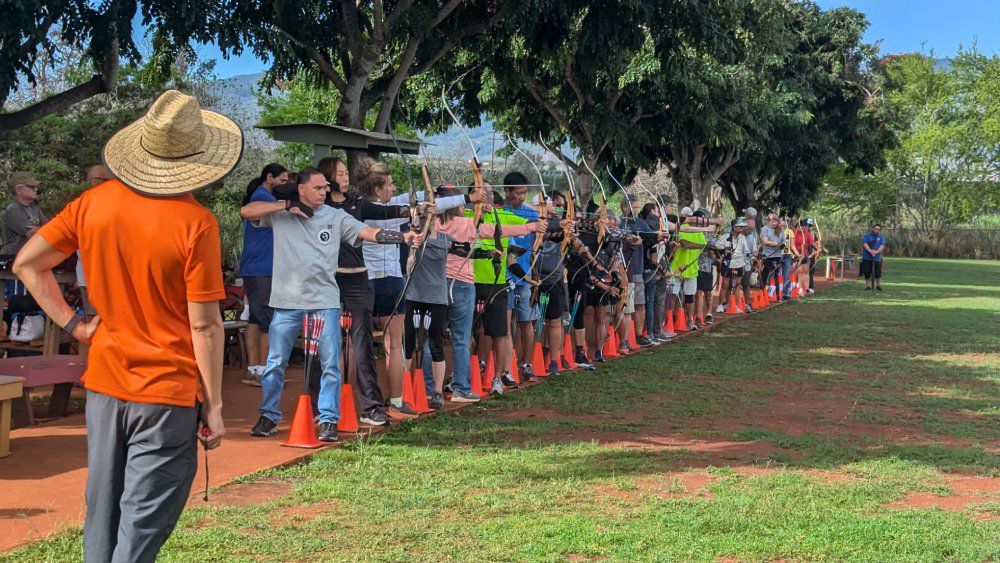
(571, 199)
(477, 174)
(428, 228)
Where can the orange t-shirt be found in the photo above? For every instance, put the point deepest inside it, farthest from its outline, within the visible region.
(144, 258)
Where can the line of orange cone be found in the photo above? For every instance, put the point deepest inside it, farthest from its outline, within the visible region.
(303, 431)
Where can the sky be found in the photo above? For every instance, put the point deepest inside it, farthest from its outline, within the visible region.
(903, 26)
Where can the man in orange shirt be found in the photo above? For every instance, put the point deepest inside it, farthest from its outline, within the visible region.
(153, 261)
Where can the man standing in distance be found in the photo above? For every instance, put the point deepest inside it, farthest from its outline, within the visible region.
(22, 217)
(873, 244)
(154, 264)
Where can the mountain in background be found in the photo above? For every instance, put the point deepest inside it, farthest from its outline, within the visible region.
(237, 98)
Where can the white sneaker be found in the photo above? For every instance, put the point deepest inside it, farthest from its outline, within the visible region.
(253, 376)
(720, 309)
(811, 291)
(497, 388)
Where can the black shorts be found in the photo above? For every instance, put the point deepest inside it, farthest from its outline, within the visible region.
(493, 314)
(387, 291)
(556, 306)
(598, 298)
(258, 292)
(869, 266)
(705, 281)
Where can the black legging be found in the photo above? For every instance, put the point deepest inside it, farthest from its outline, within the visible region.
(435, 332)
(772, 268)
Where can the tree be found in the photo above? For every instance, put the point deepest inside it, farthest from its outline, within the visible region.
(366, 51)
(35, 36)
(946, 166)
(584, 72)
(832, 112)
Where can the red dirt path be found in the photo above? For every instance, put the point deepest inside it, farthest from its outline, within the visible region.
(42, 481)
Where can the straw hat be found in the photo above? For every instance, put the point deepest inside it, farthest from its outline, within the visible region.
(175, 148)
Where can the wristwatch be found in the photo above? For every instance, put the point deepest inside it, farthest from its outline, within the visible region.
(75, 320)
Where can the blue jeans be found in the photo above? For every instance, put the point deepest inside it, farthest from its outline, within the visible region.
(786, 271)
(460, 312)
(651, 310)
(286, 325)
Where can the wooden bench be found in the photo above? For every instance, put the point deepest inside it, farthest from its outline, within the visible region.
(60, 371)
(10, 388)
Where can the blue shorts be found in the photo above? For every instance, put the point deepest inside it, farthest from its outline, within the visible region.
(387, 291)
(520, 301)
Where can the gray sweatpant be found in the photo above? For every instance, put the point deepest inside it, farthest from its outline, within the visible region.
(141, 461)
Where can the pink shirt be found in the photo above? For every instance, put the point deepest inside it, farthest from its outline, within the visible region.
(460, 229)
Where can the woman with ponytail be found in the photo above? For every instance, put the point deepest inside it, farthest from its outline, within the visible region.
(255, 269)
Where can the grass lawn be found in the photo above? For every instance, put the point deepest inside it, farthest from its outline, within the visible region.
(845, 426)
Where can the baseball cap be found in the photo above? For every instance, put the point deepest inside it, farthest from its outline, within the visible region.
(809, 221)
(686, 211)
(750, 211)
(22, 179)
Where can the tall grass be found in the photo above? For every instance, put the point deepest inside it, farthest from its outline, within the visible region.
(979, 244)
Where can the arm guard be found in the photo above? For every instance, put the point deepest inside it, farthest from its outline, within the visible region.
(388, 237)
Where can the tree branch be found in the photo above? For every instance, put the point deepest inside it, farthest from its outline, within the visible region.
(453, 40)
(58, 102)
(535, 89)
(390, 93)
(325, 68)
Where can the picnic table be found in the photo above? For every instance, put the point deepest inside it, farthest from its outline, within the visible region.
(60, 371)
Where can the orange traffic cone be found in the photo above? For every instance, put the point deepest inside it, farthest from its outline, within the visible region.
(681, 323)
(514, 372)
(407, 388)
(303, 434)
(475, 376)
(741, 305)
(631, 339)
(669, 324)
(420, 392)
(538, 360)
(610, 350)
(731, 309)
(348, 413)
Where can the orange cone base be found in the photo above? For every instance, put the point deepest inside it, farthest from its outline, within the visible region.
(610, 350)
(348, 413)
(420, 392)
(538, 359)
(681, 323)
(303, 434)
(475, 376)
(568, 351)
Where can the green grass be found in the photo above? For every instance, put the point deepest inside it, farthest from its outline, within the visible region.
(824, 411)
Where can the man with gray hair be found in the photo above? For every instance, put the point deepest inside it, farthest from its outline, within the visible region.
(22, 217)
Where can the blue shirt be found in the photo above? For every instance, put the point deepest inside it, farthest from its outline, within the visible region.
(526, 241)
(258, 243)
(874, 242)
